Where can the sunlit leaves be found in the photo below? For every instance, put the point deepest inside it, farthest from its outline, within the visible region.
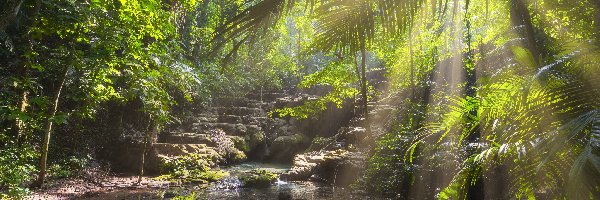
(338, 78)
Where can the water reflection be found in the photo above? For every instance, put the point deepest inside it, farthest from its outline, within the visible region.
(285, 190)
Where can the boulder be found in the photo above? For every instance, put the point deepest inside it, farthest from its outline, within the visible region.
(258, 178)
(338, 166)
(285, 147)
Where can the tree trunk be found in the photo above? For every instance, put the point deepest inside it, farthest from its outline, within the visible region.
(363, 86)
(48, 131)
(9, 11)
(19, 124)
(412, 67)
(23, 71)
(475, 190)
(149, 139)
(597, 18)
(520, 17)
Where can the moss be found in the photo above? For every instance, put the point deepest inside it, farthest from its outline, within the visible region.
(194, 176)
(258, 178)
(238, 156)
(240, 143)
(178, 164)
(254, 139)
(214, 175)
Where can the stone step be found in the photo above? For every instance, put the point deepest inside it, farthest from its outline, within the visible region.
(235, 102)
(266, 96)
(229, 129)
(167, 149)
(232, 119)
(195, 138)
(255, 120)
(239, 111)
(263, 105)
(188, 138)
(206, 117)
(291, 101)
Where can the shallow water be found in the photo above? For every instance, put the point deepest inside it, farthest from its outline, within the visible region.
(231, 188)
(284, 190)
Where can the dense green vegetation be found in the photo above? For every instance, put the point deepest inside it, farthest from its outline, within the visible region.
(495, 98)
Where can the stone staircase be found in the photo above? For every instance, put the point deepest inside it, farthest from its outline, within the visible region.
(233, 129)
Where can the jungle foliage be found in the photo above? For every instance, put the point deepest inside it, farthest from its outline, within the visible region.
(497, 98)
(501, 95)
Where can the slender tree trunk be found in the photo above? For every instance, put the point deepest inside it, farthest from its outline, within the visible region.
(597, 18)
(22, 105)
(23, 100)
(363, 87)
(149, 140)
(48, 130)
(520, 17)
(475, 190)
(359, 86)
(412, 66)
(144, 150)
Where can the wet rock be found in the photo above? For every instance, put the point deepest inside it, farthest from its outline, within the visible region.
(354, 135)
(254, 139)
(338, 166)
(258, 178)
(285, 147)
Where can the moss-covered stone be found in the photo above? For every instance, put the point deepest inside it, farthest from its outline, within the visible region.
(254, 139)
(240, 143)
(192, 161)
(226, 147)
(194, 176)
(258, 178)
(284, 148)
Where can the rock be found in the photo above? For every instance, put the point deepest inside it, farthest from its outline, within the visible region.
(326, 165)
(169, 150)
(254, 139)
(354, 135)
(285, 147)
(258, 178)
(233, 119)
(187, 138)
(225, 145)
(230, 129)
(320, 143)
(163, 154)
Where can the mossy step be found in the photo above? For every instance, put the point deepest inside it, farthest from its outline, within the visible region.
(168, 149)
(194, 138)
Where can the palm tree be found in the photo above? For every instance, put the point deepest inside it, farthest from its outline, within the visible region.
(348, 25)
(345, 25)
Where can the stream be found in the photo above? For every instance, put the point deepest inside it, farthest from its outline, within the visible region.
(231, 188)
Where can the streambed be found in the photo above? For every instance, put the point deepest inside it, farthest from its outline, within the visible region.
(232, 188)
